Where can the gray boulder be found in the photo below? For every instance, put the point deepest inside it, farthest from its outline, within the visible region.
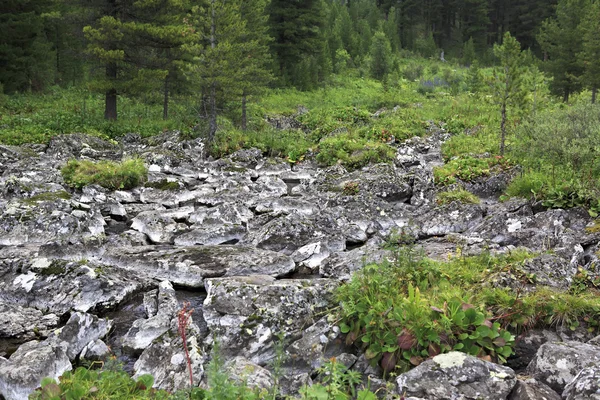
(57, 286)
(22, 373)
(556, 364)
(245, 314)
(189, 266)
(242, 370)
(585, 386)
(81, 330)
(457, 376)
(162, 226)
(163, 355)
(22, 322)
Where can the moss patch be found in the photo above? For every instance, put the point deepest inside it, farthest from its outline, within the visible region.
(48, 196)
(163, 184)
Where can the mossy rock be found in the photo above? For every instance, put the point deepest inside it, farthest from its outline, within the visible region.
(47, 196)
(163, 184)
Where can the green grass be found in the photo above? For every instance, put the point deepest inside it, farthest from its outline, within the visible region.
(35, 118)
(111, 175)
(460, 195)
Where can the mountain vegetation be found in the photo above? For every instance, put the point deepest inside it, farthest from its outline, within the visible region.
(513, 84)
(487, 69)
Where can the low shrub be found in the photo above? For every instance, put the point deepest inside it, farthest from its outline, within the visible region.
(408, 311)
(111, 175)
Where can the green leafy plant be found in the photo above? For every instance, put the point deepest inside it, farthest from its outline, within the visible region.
(337, 383)
(111, 175)
(404, 312)
(86, 383)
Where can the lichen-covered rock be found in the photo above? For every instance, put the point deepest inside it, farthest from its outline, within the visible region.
(24, 370)
(528, 345)
(144, 331)
(451, 218)
(341, 265)
(585, 386)
(79, 145)
(24, 322)
(162, 226)
(288, 233)
(457, 376)
(163, 354)
(81, 330)
(51, 218)
(247, 313)
(95, 350)
(242, 370)
(189, 266)
(57, 286)
(270, 186)
(556, 364)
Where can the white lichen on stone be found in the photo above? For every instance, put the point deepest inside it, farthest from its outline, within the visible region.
(513, 225)
(449, 360)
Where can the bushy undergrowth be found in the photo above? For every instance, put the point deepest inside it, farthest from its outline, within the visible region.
(111, 175)
(560, 154)
(404, 312)
(353, 151)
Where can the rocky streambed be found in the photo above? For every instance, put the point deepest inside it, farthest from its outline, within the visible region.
(258, 247)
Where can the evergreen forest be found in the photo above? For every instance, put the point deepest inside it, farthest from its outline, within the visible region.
(504, 77)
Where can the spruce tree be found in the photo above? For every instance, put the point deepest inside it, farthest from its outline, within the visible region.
(381, 56)
(475, 21)
(562, 39)
(159, 33)
(255, 57)
(134, 45)
(590, 54)
(297, 36)
(509, 92)
(215, 67)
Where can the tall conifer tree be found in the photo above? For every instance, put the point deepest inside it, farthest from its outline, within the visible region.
(562, 39)
(590, 55)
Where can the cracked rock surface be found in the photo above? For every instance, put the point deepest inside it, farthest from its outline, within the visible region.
(258, 246)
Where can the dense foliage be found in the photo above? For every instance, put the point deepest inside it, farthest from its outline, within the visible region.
(402, 313)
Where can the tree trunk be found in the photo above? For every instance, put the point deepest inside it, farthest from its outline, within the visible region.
(166, 98)
(244, 117)
(503, 129)
(110, 104)
(212, 119)
(566, 96)
(594, 92)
